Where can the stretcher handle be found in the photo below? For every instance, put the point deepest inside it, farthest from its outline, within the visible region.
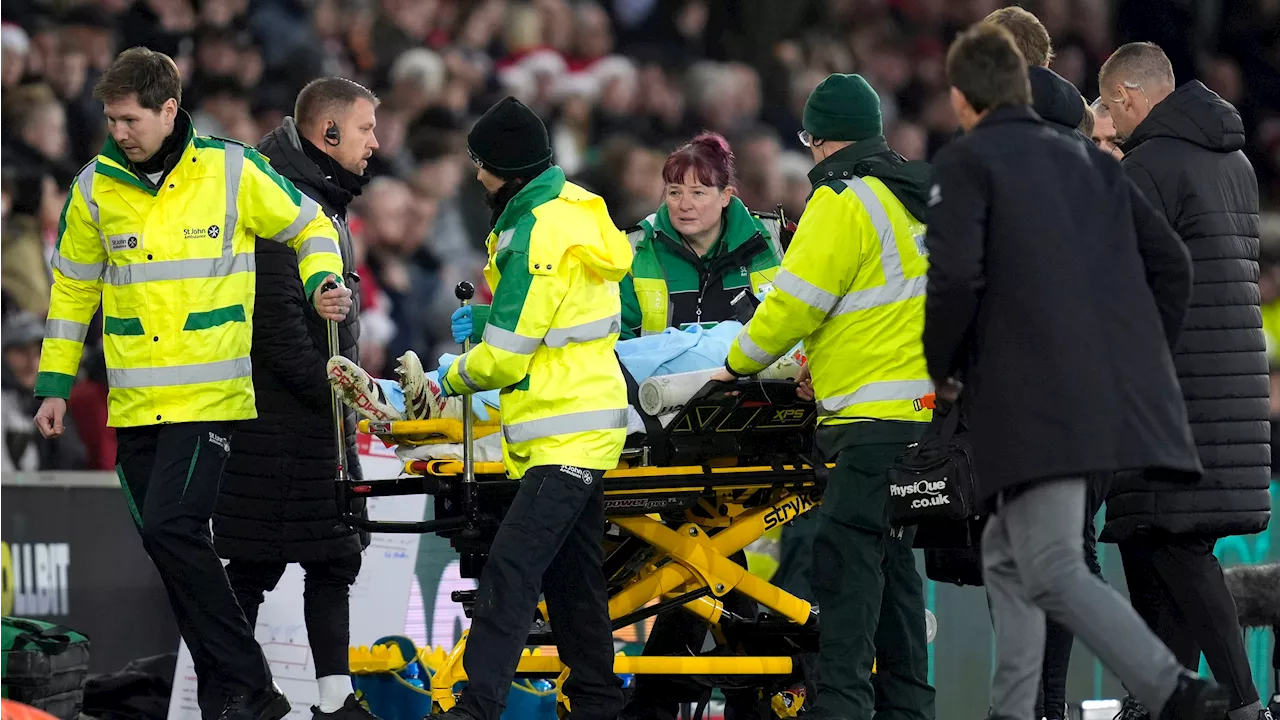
(339, 416)
(464, 292)
(403, 527)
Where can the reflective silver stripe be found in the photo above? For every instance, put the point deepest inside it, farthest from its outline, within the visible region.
(314, 245)
(876, 392)
(897, 287)
(504, 239)
(634, 237)
(881, 295)
(87, 272)
(180, 374)
(466, 377)
(65, 330)
(586, 332)
(804, 291)
(84, 181)
(651, 332)
(753, 351)
(565, 424)
(306, 213)
(118, 275)
(233, 166)
(890, 260)
(512, 342)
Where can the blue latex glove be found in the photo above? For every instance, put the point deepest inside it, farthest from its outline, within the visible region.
(461, 324)
(443, 373)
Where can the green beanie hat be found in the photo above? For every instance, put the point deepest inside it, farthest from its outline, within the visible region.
(843, 107)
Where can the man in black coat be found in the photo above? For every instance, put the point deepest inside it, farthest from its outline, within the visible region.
(1059, 322)
(1060, 105)
(278, 505)
(1183, 150)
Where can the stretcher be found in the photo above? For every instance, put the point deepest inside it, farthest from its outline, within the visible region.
(733, 464)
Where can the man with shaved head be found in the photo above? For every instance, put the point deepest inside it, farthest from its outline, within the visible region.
(1182, 147)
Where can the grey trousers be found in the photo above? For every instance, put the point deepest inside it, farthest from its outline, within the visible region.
(1033, 564)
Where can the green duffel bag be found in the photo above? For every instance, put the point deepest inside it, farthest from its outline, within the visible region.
(43, 665)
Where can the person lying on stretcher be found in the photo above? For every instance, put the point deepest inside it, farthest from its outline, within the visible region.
(693, 355)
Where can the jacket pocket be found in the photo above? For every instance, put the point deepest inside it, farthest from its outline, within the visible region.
(122, 326)
(214, 318)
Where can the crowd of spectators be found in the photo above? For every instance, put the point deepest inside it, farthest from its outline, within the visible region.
(619, 82)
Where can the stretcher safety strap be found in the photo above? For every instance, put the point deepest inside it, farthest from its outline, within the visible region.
(876, 392)
(66, 330)
(565, 424)
(228, 263)
(223, 370)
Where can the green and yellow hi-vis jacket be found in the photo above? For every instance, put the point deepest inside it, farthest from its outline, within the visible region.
(670, 286)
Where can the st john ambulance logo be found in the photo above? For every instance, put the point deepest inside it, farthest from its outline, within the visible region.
(212, 232)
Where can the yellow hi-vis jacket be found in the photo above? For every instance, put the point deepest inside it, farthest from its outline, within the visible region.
(173, 268)
(555, 261)
(852, 287)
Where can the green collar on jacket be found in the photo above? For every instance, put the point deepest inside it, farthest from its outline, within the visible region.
(909, 181)
(739, 226)
(126, 172)
(540, 190)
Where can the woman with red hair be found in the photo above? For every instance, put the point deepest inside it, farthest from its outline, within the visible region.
(692, 257)
(700, 249)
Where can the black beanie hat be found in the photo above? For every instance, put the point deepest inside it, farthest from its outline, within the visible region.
(510, 141)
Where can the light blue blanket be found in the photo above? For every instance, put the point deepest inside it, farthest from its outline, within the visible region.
(674, 351)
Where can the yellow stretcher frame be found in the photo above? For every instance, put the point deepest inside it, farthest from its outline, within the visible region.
(688, 559)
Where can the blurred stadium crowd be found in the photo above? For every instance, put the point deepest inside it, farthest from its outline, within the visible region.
(619, 82)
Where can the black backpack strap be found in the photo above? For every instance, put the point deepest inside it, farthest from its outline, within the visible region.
(52, 640)
(652, 426)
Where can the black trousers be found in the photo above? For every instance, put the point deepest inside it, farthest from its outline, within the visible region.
(1176, 585)
(1052, 699)
(325, 603)
(548, 543)
(679, 633)
(170, 475)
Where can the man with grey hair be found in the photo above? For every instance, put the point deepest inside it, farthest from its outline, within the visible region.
(1182, 147)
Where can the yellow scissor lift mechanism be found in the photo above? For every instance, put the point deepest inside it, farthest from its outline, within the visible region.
(731, 466)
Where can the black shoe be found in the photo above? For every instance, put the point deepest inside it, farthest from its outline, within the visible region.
(1131, 709)
(352, 709)
(266, 705)
(1265, 714)
(1196, 698)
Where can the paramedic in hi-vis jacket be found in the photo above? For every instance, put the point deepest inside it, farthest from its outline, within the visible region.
(555, 261)
(160, 229)
(852, 287)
